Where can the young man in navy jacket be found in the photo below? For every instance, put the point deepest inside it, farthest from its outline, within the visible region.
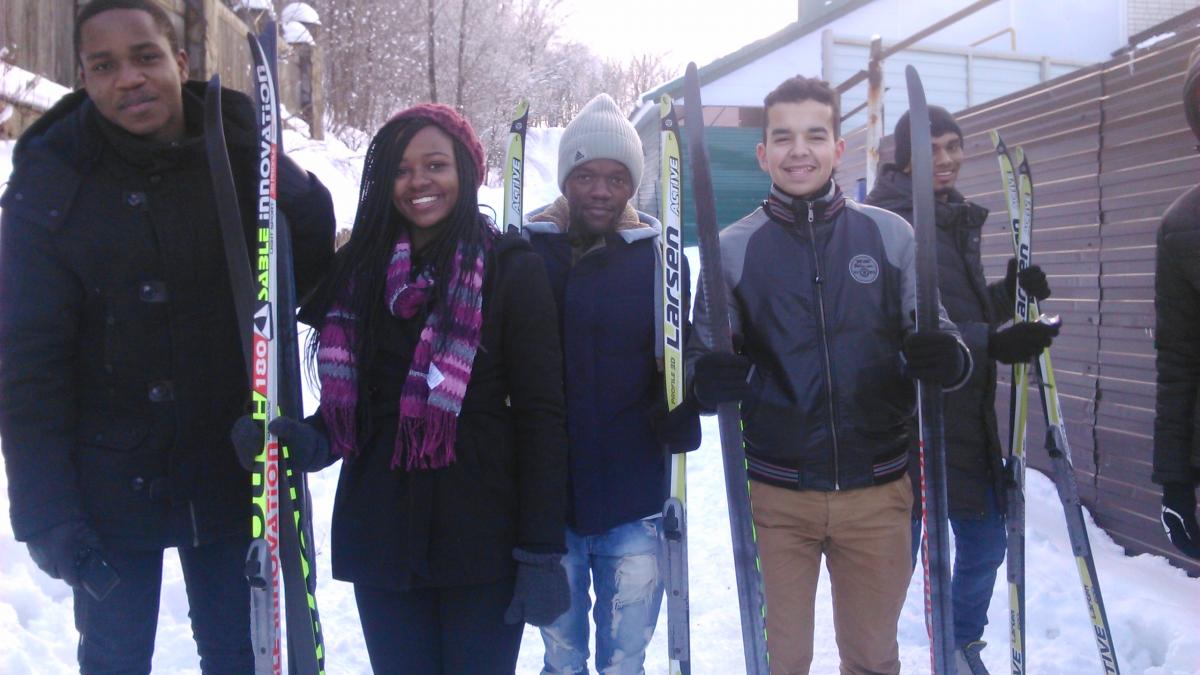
(604, 262)
(822, 297)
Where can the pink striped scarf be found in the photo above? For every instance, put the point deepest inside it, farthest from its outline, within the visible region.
(437, 380)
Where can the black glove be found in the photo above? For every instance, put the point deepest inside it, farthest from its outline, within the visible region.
(934, 356)
(542, 593)
(677, 429)
(308, 449)
(1033, 280)
(720, 377)
(1179, 518)
(59, 550)
(1021, 341)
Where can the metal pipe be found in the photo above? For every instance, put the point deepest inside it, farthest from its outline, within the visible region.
(917, 37)
(874, 109)
(1012, 37)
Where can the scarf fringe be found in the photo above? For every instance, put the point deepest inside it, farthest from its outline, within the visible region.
(429, 441)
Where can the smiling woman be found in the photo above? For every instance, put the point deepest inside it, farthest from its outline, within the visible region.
(438, 354)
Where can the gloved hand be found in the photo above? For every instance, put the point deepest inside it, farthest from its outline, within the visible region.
(308, 449)
(1021, 342)
(542, 593)
(720, 377)
(678, 429)
(59, 550)
(1179, 518)
(934, 356)
(1032, 278)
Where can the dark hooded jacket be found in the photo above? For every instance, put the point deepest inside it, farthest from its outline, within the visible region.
(974, 453)
(1177, 325)
(610, 312)
(121, 370)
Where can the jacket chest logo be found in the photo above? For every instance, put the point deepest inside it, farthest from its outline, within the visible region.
(864, 269)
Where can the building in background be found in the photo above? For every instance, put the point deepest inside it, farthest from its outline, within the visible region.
(1002, 47)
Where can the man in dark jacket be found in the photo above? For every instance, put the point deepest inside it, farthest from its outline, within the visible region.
(974, 458)
(605, 268)
(822, 298)
(121, 368)
(1177, 339)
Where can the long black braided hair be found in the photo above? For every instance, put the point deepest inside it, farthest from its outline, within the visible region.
(358, 274)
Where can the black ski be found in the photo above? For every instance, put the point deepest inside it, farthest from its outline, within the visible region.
(935, 542)
(278, 392)
(751, 598)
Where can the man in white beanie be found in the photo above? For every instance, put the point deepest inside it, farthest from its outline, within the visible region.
(602, 259)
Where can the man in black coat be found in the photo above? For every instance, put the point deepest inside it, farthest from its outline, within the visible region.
(1177, 340)
(121, 368)
(974, 459)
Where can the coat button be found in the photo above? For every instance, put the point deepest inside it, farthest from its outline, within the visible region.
(137, 484)
(135, 199)
(53, 213)
(20, 196)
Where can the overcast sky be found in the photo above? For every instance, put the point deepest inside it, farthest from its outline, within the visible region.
(693, 30)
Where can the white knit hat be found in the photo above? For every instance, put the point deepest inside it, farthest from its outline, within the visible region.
(600, 131)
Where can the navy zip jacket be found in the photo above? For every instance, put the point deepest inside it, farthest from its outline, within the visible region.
(820, 298)
(609, 306)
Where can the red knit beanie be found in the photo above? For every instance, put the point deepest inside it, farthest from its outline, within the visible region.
(450, 121)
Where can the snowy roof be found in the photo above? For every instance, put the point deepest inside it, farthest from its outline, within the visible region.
(295, 33)
(21, 86)
(302, 12)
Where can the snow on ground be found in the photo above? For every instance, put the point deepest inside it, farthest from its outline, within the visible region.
(1154, 608)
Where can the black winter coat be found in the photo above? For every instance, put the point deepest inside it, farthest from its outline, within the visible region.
(1177, 341)
(121, 370)
(974, 453)
(457, 526)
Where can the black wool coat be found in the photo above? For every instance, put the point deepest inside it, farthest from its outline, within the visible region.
(1177, 343)
(121, 370)
(458, 526)
(974, 454)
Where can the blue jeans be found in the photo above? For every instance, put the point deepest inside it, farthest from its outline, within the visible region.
(980, 545)
(625, 563)
(116, 635)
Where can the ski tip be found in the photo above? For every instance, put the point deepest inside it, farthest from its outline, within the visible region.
(916, 91)
(1018, 156)
(666, 106)
(691, 70)
(522, 109)
(997, 142)
(215, 81)
(1022, 160)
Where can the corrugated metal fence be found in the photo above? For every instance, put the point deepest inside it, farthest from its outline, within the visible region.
(1110, 150)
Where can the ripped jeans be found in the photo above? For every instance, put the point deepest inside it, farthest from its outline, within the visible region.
(625, 565)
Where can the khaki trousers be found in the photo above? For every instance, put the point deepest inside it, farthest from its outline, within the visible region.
(865, 536)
